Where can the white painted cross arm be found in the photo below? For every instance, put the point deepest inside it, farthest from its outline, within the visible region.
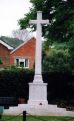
(39, 19)
(41, 22)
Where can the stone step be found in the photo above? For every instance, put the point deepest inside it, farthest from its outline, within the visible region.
(46, 110)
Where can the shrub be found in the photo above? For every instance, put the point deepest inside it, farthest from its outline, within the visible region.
(60, 85)
(1, 61)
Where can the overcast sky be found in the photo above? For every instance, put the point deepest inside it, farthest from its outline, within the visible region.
(10, 12)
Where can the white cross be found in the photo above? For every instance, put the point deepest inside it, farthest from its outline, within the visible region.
(38, 54)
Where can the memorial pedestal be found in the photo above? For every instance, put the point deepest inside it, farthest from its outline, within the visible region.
(37, 94)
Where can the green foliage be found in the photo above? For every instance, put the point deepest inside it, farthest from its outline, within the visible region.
(1, 61)
(13, 68)
(15, 83)
(57, 61)
(11, 81)
(63, 46)
(62, 29)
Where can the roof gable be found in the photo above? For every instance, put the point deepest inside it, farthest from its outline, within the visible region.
(6, 45)
(22, 44)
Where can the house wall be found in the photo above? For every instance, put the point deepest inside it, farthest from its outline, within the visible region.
(27, 51)
(4, 55)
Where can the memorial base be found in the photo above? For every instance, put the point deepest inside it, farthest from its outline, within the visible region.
(38, 93)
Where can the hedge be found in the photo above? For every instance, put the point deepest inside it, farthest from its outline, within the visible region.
(60, 85)
(14, 83)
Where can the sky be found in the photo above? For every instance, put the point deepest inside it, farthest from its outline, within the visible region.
(10, 12)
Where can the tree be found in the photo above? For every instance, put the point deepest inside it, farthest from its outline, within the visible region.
(71, 50)
(57, 60)
(22, 34)
(60, 14)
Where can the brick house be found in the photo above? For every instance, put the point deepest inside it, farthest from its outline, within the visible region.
(24, 54)
(5, 50)
(21, 56)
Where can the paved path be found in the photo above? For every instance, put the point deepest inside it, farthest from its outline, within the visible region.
(46, 110)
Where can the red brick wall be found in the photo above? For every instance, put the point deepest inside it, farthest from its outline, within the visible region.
(4, 55)
(27, 50)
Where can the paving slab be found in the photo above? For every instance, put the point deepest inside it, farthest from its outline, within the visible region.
(45, 110)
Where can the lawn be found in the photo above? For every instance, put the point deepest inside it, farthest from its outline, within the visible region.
(36, 118)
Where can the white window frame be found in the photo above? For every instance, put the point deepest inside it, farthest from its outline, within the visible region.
(22, 59)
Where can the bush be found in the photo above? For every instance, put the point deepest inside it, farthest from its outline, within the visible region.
(60, 85)
(1, 61)
(57, 61)
(15, 83)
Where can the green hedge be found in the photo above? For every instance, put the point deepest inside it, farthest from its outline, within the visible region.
(15, 83)
(60, 85)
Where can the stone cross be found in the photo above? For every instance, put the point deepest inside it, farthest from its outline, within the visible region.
(38, 89)
(38, 54)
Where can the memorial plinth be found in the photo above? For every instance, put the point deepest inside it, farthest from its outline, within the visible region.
(38, 94)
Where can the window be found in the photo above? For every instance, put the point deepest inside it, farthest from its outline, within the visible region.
(26, 63)
(22, 62)
(17, 62)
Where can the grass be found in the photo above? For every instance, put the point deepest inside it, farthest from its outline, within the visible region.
(36, 118)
